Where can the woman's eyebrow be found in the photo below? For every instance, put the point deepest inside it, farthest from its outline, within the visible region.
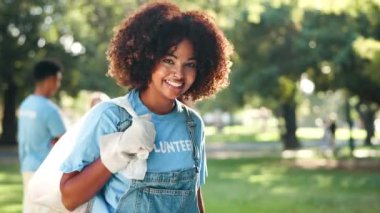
(174, 56)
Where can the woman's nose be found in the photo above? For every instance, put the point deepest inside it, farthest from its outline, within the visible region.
(177, 71)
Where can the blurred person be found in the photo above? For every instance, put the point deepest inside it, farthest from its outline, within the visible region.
(332, 129)
(97, 97)
(40, 123)
(328, 140)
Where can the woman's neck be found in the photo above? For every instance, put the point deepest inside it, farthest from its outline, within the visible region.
(156, 103)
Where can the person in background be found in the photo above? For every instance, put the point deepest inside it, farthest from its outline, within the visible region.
(328, 146)
(332, 129)
(97, 97)
(40, 123)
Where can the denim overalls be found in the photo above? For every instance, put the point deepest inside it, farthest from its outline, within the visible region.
(165, 191)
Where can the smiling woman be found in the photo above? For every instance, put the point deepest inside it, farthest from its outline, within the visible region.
(164, 56)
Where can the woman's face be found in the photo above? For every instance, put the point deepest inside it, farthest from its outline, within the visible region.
(174, 74)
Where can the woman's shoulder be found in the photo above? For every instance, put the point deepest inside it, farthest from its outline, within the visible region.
(105, 107)
(197, 118)
(108, 110)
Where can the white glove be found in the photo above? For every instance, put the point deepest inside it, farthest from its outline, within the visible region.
(118, 149)
(136, 169)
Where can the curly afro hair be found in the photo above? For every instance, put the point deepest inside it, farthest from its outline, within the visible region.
(145, 37)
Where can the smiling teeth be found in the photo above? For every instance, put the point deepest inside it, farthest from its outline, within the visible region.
(174, 84)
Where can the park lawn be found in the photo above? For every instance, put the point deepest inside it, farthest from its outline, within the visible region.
(10, 188)
(268, 185)
(257, 185)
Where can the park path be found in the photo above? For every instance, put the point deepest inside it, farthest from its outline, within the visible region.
(262, 149)
(214, 150)
(312, 155)
(309, 156)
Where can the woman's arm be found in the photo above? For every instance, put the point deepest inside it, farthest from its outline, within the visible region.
(200, 201)
(79, 187)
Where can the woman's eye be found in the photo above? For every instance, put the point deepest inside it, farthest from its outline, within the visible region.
(168, 61)
(191, 65)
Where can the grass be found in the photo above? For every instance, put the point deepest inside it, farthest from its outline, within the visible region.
(268, 185)
(10, 188)
(258, 185)
(244, 134)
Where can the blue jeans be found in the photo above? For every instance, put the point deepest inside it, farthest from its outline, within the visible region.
(162, 192)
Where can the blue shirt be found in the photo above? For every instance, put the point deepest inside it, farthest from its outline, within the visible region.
(39, 122)
(173, 147)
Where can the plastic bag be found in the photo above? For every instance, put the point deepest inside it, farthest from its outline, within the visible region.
(44, 187)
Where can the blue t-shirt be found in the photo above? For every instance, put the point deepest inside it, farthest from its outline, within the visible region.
(173, 146)
(39, 122)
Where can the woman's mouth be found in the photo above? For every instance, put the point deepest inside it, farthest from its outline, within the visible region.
(174, 84)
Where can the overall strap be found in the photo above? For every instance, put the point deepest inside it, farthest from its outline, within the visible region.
(124, 103)
(191, 130)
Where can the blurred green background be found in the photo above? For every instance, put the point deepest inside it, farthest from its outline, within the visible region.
(297, 64)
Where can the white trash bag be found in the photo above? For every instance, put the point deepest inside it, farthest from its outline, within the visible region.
(44, 186)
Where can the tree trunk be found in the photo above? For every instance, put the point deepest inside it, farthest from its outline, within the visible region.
(351, 142)
(367, 115)
(9, 122)
(289, 126)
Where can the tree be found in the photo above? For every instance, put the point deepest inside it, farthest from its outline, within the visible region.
(339, 64)
(20, 42)
(74, 32)
(328, 53)
(91, 25)
(268, 67)
(367, 49)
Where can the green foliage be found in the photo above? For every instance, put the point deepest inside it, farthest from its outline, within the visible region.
(18, 38)
(283, 39)
(372, 69)
(92, 25)
(28, 33)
